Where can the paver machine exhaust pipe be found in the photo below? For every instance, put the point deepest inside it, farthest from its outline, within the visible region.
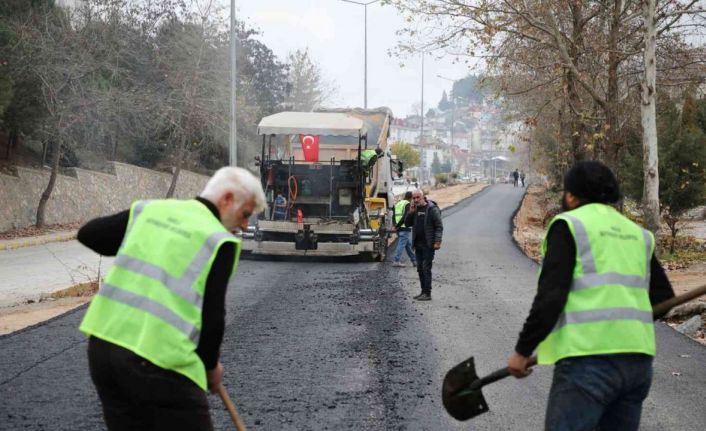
(461, 391)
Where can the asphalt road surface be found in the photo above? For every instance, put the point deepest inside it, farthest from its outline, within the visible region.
(342, 345)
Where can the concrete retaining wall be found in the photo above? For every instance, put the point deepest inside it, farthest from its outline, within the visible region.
(83, 194)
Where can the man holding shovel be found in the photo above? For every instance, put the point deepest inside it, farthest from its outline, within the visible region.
(157, 322)
(592, 315)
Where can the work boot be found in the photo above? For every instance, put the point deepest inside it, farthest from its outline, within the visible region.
(398, 264)
(422, 297)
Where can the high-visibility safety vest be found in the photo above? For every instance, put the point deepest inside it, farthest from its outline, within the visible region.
(368, 158)
(151, 300)
(608, 309)
(399, 211)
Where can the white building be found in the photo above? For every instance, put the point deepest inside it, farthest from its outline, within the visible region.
(404, 130)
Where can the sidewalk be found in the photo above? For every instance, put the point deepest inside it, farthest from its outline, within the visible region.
(32, 273)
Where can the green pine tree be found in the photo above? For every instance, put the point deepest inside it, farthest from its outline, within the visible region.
(682, 164)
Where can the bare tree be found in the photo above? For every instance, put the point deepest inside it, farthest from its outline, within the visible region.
(51, 50)
(307, 88)
(579, 60)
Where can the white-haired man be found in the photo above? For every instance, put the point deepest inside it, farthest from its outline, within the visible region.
(155, 326)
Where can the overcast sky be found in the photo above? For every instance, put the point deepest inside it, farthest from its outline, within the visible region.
(333, 32)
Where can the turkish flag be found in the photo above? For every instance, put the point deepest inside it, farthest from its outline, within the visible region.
(310, 147)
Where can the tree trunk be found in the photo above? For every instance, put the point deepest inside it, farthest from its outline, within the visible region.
(612, 144)
(576, 123)
(648, 116)
(56, 156)
(177, 169)
(11, 142)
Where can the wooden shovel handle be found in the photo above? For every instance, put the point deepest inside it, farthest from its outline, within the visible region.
(664, 307)
(239, 425)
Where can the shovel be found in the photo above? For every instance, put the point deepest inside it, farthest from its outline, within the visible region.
(239, 425)
(461, 391)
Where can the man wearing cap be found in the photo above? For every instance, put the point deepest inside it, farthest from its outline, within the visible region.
(592, 314)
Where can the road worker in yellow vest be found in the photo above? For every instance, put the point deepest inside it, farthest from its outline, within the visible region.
(155, 326)
(403, 233)
(592, 314)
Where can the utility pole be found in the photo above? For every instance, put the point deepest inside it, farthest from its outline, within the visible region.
(365, 52)
(233, 159)
(421, 129)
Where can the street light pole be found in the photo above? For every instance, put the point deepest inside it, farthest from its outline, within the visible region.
(421, 130)
(365, 52)
(233, 153)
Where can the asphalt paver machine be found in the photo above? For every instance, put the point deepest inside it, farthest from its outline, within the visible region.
(323, 198)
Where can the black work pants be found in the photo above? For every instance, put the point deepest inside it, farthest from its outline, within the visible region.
(138, 395)
(425, 257)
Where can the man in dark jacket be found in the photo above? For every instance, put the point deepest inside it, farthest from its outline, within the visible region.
(424, 216)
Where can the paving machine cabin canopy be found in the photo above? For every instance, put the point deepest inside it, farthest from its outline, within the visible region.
(312, 123)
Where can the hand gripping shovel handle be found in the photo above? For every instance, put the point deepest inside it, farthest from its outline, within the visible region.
(657, 310)
(239, 425)
(498, 375)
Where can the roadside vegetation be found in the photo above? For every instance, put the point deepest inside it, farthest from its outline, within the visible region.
(145, 83)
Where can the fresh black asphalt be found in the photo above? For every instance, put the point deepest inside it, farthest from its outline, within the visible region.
(334, 345)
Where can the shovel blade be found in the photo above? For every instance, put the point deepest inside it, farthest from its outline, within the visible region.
(459, 400)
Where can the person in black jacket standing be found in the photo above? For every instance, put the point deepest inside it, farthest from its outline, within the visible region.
(424, 216)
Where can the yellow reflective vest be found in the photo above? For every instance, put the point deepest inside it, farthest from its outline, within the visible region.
(399, 211)
(608, 309)
(151, 300)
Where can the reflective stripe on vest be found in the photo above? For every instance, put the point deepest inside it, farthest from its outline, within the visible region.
(399, 211)
(179, 286)
(589, 316)
(599, 295)
(149, 306)
(590, 277)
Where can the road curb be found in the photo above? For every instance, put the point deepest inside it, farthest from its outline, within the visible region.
(513, 226)
(13, 244)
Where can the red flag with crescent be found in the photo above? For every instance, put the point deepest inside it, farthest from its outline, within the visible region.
(310, 147)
